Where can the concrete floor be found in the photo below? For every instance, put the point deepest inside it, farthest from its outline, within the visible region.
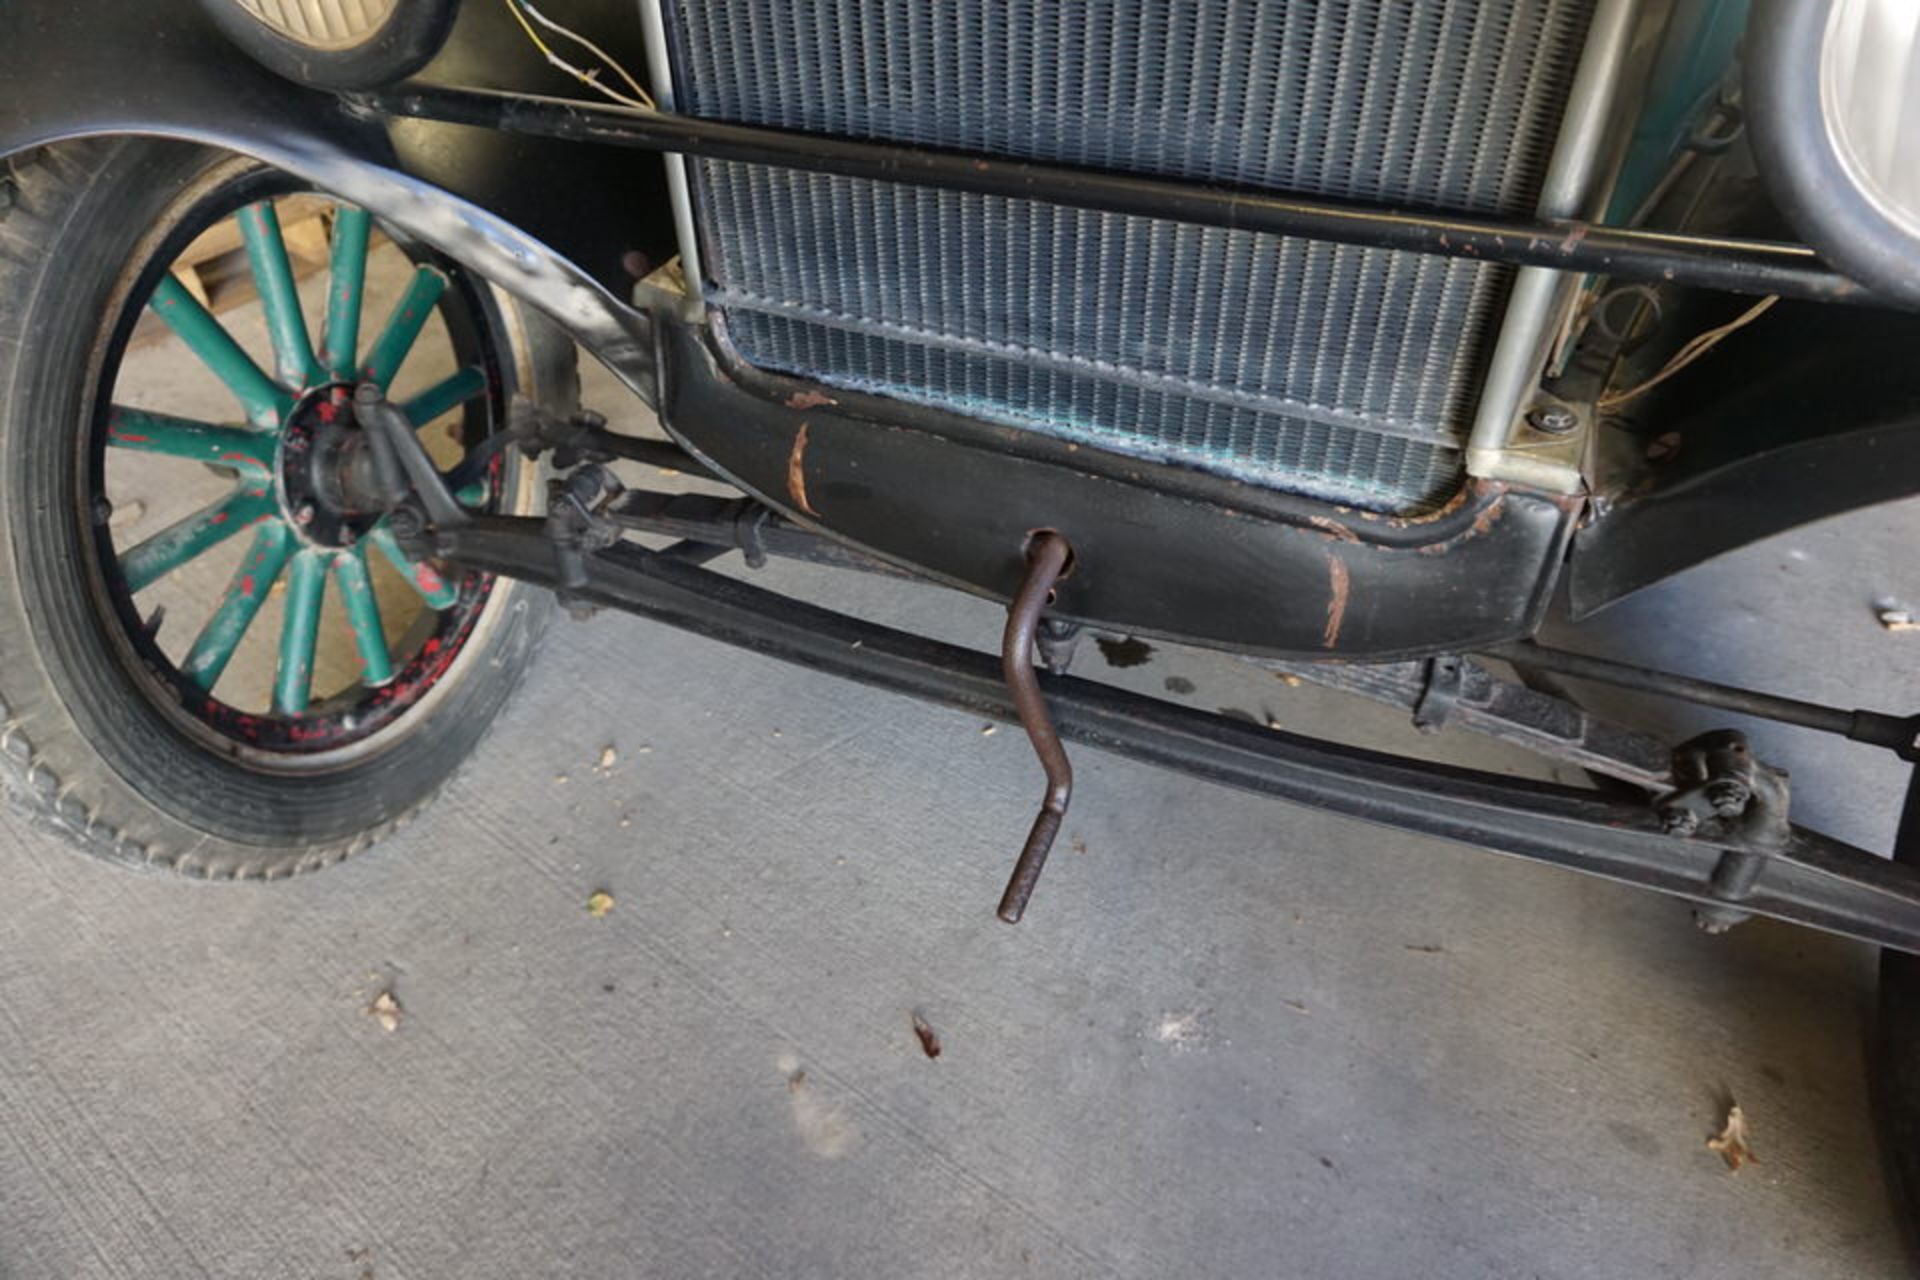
(1233, 1038)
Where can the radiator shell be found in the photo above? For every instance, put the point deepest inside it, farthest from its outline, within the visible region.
(1334, 371)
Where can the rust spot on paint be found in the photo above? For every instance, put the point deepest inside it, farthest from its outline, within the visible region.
(1337, 585)
(797, 472)
(1327, 524)
(1574, 237)
(809, 400)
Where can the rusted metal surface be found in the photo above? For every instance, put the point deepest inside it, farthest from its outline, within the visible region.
(1047, 557)
(1339, 583)
(797, 472)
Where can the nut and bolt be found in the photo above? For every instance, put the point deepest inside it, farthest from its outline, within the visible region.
(1553, 419)
(1728, 798)
(1679, 822)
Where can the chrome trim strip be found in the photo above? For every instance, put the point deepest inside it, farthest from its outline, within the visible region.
(653, 26)
(1526, 331)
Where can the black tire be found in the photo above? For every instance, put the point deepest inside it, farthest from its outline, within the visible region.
(393, 50)
(85, 745)
(1896, 1056)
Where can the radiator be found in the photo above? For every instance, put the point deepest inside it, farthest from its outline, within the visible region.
(1337, 372)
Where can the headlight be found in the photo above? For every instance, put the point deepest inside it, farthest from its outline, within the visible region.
(1834, 89)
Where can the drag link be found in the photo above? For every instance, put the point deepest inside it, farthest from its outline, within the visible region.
(1048, 556)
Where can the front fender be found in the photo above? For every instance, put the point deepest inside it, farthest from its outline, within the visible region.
(552, 224)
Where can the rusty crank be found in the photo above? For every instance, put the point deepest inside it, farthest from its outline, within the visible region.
(1048, 558)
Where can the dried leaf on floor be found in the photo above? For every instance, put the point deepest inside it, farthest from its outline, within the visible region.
(599, 903)
(929, 1039)
(386, 1011)
(1731, 1144)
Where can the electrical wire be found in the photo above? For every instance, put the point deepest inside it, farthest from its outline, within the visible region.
(1696, 347)
(640, 98)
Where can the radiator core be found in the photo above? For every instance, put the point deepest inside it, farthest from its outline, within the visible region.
(1328, 370)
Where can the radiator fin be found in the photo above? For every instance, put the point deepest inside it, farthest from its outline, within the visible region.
(1334, 371)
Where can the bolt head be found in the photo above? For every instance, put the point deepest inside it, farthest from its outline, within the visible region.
(1729, 799)
(1555, 420)
(1679, 822)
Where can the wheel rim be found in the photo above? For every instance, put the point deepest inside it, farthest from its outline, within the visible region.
(295, 551)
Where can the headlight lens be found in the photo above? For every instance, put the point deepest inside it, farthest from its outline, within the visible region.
(322, 24)
(1870, 98)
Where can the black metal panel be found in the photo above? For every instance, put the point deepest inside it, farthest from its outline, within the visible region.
(1158, 551)
(1811, 413)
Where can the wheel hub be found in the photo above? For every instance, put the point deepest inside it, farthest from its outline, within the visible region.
(323, 469)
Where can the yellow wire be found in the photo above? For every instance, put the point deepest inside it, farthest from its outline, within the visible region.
(640, 95)
(1696, 347)
(527, 27)
(588, 78)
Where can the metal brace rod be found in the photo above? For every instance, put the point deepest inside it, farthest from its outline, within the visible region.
(1812, 879)
(1712, 262)
(1898, 734)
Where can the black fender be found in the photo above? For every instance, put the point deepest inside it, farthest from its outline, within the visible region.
(556, 224)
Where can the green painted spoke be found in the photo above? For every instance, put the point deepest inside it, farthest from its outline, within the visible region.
(246, 451)
(264, 400)
(449, 393)
(299, 632)
(214, 647)
(409, 316)
(279, 296)
(346, 291)
(424, 578)
(194, 536)
(363, 615)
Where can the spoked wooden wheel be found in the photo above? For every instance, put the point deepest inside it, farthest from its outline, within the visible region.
(214, 653)
(276, 474)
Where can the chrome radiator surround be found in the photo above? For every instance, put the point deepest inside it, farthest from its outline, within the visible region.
(1337, 372)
